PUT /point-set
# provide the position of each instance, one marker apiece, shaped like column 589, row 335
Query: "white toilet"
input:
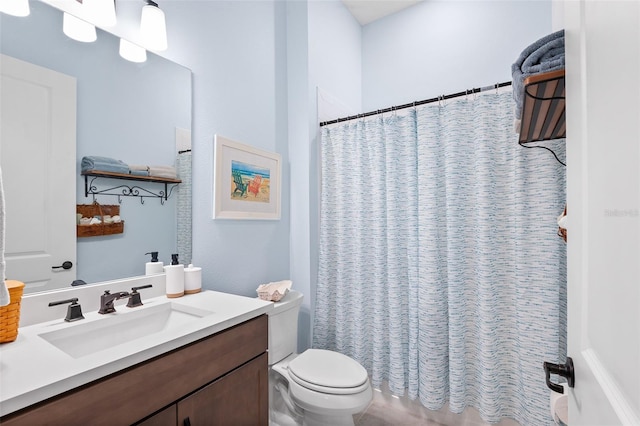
column 315, row 388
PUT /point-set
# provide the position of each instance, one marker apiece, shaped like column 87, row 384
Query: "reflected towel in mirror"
column 4, row 293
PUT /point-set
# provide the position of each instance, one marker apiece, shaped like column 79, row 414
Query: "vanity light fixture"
column 153, row 28
column 15, row 7
column 132, row 52
column 78, row 29
column 103, row 12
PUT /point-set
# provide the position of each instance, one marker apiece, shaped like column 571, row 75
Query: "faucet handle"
column 74, row 311
column 135, row 289
column 134, row 297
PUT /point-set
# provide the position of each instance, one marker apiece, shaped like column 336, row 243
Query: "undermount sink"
column 126, row 325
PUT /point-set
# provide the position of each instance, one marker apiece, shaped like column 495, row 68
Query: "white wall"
column 440, row 47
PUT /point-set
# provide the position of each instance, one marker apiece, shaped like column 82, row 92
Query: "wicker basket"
column 97, row 209
column 10, row 314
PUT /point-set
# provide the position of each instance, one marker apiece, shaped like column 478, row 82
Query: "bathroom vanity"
column 207, row 364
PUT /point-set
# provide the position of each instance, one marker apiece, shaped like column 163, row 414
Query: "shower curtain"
column 440, row 270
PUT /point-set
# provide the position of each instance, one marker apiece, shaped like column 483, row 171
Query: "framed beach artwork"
column 246, row 182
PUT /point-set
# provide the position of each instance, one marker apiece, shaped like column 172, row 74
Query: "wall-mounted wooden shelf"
column 543, row 110
column 128, row 190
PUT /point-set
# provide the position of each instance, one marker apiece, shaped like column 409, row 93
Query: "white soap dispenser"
column 175, row 278
column 192, row 279
column 153, row 267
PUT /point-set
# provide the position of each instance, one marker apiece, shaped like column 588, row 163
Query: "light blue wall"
column 236, row 51
column 335, row 46
column 440, row 47
column 299, row 98
column 335, row 42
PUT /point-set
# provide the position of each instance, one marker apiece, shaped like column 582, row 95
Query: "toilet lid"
column 327, row 369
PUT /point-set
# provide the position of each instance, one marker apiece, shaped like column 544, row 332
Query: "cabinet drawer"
column 132, row 394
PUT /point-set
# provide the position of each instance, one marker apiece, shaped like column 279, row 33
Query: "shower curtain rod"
column 414, row 104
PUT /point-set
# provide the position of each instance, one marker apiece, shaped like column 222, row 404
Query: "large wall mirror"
column 124, row 110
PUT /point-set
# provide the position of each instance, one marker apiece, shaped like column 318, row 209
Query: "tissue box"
column 273, row 292
column 274, row 297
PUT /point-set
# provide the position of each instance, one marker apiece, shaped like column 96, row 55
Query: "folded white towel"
column 5, row 299
column 163, row 171
column 163, row 168
column 139, row 167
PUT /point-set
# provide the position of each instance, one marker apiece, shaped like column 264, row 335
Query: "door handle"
column 565, row 370
column 65, row 265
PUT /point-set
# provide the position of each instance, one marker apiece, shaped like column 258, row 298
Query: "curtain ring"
column 496, row 88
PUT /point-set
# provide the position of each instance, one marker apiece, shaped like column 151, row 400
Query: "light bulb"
column 153, row 27
column 15, row 7
column 78, row 29
column 132, row 52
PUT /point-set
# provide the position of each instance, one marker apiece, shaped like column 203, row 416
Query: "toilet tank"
column 283, row 327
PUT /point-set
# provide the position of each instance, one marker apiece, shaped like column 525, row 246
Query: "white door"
column 37, row 157
column 603, row 186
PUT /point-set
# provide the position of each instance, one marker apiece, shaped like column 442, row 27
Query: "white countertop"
column 32, row 370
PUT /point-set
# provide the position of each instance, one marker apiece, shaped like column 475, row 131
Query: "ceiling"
column 367, row 11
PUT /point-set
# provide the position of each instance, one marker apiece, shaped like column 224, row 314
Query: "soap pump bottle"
column 175, row 278
column 153, row 267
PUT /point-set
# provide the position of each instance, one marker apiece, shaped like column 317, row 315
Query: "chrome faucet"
column 107, row 299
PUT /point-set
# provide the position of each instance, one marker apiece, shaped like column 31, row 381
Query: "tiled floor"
column 386, row 410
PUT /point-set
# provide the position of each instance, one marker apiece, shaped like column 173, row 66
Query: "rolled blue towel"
column 546, row 54
column 103, row 164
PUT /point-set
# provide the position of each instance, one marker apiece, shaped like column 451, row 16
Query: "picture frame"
column 246, row 183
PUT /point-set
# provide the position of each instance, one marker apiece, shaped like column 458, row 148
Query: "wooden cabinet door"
column 237, row 399
column 166, row 417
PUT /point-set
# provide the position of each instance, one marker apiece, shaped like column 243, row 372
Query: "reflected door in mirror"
column 37, row 154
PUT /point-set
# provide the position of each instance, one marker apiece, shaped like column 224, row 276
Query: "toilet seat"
column 328, row 372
